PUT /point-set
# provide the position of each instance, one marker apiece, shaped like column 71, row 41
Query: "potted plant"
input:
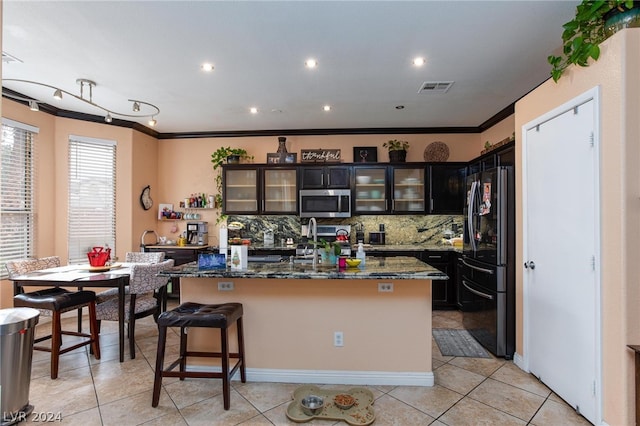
column 221, row 156
column 593, row 23
column 328, row 251
column 397, row 150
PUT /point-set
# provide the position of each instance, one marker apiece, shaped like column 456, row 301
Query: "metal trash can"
column 17, row 329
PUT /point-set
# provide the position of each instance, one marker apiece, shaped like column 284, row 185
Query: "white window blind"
column 92, row 196
column 17, row 181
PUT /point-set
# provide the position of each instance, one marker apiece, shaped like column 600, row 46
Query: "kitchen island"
column 369, row 325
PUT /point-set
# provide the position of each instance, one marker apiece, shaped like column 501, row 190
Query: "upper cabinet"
column 408, row 189
column 240, row 188
column 371, row 190
column 447, row 188
column 325, row 177
column 249, row 189
column 280, row 190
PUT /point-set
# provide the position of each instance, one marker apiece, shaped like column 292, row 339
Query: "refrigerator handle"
column 479, row 293
column 470, row 207
column 486, row 271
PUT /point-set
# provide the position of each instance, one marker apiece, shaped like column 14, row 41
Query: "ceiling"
column 494, row 52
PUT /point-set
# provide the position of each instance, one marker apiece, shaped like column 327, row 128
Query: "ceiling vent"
column 435, row 87
column 6, row 58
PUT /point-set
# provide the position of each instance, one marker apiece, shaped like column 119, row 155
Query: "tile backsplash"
column 400, row 229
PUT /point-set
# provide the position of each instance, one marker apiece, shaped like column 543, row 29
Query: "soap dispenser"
column 360, row 254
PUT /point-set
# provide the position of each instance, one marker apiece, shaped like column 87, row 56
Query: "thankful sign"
column 320, row 156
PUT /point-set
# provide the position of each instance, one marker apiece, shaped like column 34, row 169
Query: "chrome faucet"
column 312, row 231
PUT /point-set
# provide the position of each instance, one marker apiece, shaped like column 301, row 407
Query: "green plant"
column 583, row 34
column 218, row 158
column 396, row 145
column 328, row 246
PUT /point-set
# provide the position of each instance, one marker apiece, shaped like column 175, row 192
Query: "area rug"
column 454, row 342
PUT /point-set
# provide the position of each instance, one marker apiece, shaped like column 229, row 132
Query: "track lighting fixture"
column 140, row 108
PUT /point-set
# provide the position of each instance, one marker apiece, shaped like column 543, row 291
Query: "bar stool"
column 54, row 302
column 58, row 301
column 198, row 315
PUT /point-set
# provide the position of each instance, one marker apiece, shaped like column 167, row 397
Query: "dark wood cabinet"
column 502, row 156
column 444, row 292
column 250, row 189
column 447, row 188
column 325, row 177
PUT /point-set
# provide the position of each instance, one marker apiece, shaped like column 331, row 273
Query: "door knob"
column 530, row 264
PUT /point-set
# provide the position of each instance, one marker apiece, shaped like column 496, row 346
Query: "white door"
column 561, row 255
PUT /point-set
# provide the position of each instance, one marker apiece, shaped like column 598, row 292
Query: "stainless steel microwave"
column 325, row 203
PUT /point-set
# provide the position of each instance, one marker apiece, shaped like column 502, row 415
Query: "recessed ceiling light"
column 311, row 63
column 253, row 110
column 419, row 61
column 207, row 67
column 326, row 108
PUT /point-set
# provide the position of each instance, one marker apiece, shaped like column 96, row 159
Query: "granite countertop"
column 394, row 268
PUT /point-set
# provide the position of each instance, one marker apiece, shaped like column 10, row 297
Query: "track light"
column 140, row 108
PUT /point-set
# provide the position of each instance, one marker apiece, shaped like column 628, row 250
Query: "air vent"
column 435, row 87
column 6, row 58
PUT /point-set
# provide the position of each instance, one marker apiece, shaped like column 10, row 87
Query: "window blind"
column 92, row 196
column 17, row 189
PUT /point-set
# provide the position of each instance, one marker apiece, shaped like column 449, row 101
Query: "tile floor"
column 468, row 391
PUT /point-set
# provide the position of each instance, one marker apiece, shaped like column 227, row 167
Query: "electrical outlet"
column 338, row 338
column 385, row 287
column 225, row 285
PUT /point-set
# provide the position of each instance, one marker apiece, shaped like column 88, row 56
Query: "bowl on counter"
column 312, row 405
column 353, row 262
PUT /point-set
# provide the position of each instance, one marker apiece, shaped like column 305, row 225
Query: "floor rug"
column 454, row 342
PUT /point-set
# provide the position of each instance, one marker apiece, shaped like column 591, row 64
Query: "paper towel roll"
column 224, row 238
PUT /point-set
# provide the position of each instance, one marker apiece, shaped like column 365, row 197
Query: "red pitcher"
column 99, row 256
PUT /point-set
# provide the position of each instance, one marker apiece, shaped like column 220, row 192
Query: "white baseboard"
column 520, row 362
column 337, row 377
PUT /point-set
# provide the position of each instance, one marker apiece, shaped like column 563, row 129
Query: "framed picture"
column 365, row 154
column 282, row 158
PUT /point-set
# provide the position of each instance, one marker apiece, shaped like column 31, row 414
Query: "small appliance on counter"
column 143, row 239
column 376, row 238
column 198, row 233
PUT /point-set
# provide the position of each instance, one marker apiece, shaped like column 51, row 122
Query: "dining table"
column 82, row 276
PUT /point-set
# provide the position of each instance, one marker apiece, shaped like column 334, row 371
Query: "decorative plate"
column 436, row 151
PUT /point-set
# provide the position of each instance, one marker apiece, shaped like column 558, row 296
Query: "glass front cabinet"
column 266, row 190
column 408, row 189
column 240, row 191
column 370, row 191
column 280, row 191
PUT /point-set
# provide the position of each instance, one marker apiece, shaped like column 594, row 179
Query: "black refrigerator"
column 486, row 274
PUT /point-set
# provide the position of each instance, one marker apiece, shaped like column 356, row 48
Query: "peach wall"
column 289, row 324
column 616, row 72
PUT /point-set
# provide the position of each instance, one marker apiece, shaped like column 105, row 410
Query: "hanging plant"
column 218, row 158
column 584, row 33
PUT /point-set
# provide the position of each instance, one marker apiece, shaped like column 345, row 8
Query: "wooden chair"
column 141, row 300
column 53, row 302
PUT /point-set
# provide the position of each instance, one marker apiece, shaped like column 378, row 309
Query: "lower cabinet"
column 444, row 292
column 180, row 256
